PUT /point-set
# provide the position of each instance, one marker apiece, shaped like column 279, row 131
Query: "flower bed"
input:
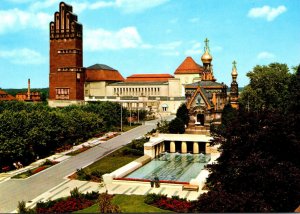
column 82, row 149
column 36, row 170
column 177, row 205
column 65, row 206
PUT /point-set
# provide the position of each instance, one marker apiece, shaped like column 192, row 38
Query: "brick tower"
column 67, row 77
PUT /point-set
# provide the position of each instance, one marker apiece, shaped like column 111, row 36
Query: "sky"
column 151, row 36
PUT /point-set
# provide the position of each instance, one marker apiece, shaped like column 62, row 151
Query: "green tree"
column 183, row 114
column 176, row 126
column 268, row 87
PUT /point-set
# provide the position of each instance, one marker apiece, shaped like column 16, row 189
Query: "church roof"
column 101, row 72
column 149, row 78
column 189, row 66
column 5, row 96
column 206, row 83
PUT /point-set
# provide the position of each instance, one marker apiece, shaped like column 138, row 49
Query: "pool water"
column 172, row 167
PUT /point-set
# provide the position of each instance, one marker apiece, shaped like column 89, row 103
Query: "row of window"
column 151, row 91
column 69, row 51
column 62, row 93
column 70, row 69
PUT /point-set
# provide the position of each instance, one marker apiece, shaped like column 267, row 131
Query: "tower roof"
column 206, row 57
column 189, row 66
column 234, row 71
column 101, row 72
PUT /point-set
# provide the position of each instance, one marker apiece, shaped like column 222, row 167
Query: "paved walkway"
column 58, row 157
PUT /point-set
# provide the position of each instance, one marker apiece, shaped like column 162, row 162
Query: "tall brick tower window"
column 66, row 79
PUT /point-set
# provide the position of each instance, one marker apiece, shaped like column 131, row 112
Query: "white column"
column 172, row 147
column 183, row 147
column 195, row 148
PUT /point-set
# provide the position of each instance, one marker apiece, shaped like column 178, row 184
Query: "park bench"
column 190, row 187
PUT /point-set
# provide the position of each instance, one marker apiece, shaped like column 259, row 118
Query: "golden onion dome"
column 234, row 71
column 206, row 57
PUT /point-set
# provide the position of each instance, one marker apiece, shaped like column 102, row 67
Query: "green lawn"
column 111, row 162
column 128, row 204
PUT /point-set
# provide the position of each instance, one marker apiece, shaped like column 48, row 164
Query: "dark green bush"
column 153, row 198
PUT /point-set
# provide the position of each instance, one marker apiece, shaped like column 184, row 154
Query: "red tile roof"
column 189, row 66
column 149, row 78
column 93, row 75
column 5, row 96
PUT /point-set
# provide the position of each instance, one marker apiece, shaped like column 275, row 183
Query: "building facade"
column 67, row 75
column 191, row 83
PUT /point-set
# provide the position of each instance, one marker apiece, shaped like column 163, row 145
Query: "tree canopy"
column 29, row 130
column 259, row 167
column 268, row 87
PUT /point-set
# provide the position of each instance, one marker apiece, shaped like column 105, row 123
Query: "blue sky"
column 151, row 36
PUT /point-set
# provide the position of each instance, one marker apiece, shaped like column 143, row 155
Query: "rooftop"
column 100, row 67
column 189, row 66
column 205, row 83
column 101, row 72
column 149, row 78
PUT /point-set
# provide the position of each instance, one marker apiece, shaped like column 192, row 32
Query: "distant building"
column 192, row 83
column 29, row 96
column 4, row 96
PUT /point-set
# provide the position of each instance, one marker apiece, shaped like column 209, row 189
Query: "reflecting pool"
column 172, row 166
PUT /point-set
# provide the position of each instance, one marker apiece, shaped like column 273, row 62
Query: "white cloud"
column 39, row 5
column 194, row 50
column 135, row 6
column 15, row 20
column 266, row 12
column 19, row 1
column 126, row 6
column 168, row 46
column 100, row 39
column 265, row 55
column 124, row 38
column 23, row 56
column 101, row 4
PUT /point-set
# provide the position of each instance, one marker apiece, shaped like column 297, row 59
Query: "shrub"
column 75, row 193
column 91, row 195
column 152, row 198
column 105, row 204
column 176, row 126
column 83, row 175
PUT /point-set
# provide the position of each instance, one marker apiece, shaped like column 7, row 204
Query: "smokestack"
column 28, row 92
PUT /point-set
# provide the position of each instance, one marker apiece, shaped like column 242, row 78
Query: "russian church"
column 191, row 83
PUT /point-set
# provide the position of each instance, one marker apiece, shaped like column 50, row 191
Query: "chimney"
column 28, row 92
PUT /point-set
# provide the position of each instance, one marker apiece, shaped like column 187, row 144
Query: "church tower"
column 67, row 77
column 206, row 60
column 234, row 89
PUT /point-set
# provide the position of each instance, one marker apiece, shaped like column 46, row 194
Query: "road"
column 14, row 190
